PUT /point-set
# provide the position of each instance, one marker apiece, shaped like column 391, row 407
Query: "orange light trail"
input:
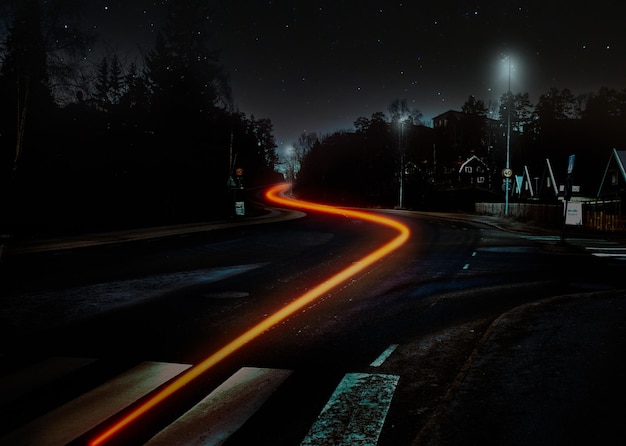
column 276, row 195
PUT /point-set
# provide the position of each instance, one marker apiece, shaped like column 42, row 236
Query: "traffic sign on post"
column 570, row 164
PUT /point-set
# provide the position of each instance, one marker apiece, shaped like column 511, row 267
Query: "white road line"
column 474, row 254
column 68, row 422
column 605, row 251
column 466, row 266
column 355, row 413
column 609, row 254
column 384, row 355
column 606, row 248
column 223, row 411
column 547, row 238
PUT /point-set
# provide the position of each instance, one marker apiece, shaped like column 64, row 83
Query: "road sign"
column 570, row 164
column 507, row 173
column 240, row 208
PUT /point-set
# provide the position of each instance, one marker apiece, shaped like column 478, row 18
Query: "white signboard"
column 240, row 208
column 574, row 214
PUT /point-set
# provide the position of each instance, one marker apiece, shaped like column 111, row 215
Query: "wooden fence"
column 602, row 216
column 545, row 214
column 605, row 216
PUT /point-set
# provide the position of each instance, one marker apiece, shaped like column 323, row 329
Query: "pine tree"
column 102, row 85
column 116, row 80
column 134, row 90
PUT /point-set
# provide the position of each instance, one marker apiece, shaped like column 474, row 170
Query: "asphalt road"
column 485, row 348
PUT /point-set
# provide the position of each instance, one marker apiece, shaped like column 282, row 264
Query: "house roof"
column 471, row 159
column 448, row 113
column 460, row 114
column 619, row 158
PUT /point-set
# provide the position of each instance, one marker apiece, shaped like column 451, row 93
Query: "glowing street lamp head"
column 509, row 70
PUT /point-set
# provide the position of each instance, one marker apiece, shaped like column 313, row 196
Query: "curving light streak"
column 276, row 195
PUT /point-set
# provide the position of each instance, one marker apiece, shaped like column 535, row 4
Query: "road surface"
column 441, row 342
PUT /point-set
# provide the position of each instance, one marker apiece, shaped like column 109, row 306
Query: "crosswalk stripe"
column 78, row 416
column 355, row 413
column 383, row 356
column 36, row 376
column 610, row 254
column 223, row 411
column 615, row 253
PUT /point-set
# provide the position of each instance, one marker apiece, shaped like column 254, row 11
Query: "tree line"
column 394, row 149
column 115, row 144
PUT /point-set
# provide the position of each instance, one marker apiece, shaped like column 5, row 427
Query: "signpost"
column 236, row 185
column 571, row 212
column 570, row 164
column 507, row 174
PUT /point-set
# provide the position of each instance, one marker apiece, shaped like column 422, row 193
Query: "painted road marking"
column 606, row 251
column 384, row 355
column 223, row 411
column 466, row 266
column 543, row 238
column 355, row 413
column 614, row 255
column 606, row 248
column 36, row 376
column 75, row 418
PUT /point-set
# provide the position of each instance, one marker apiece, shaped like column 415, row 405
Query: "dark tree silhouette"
column 24, row 86
column 474, row 106
column 102, row 85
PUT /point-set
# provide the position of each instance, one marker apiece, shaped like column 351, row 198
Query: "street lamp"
column 507, row 179
column 401, row 199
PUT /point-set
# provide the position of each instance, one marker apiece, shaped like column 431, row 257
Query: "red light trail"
column 276, row 195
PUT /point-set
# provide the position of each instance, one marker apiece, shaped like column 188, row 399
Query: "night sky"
column 317, row 66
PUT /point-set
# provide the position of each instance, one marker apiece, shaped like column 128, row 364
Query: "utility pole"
column 508, row 144
column 401, row 205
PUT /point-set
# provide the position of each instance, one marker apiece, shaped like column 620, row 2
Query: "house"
column 448, row 120
column 613, row 184
column 474, row 172
column 608, row 213
column 459, row 134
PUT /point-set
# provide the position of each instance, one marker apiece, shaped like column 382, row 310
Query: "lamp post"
column 401, row 198
column 507, row 181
